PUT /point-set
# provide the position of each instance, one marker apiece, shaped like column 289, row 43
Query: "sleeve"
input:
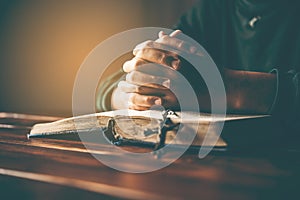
column 286, row 106
column 189, row 22
column 207, row 23
column 192, row 23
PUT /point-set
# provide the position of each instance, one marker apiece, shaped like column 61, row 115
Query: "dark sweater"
column 253, row 35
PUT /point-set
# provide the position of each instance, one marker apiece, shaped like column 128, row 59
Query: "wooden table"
column 59, row 169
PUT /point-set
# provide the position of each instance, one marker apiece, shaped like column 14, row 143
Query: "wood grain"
column 26, row 166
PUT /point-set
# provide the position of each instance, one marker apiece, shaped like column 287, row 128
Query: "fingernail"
column 175, row 33
column 157, row 102
column 160, row 34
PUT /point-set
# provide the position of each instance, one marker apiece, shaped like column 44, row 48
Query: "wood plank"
column 248, row 174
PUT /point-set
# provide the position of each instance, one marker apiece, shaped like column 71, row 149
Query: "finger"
column 127, row 87
column 176, row 43
column 144, row 100
column 153, row 90
column 135, row 107
column 150, row 68
column 169, row 100
column 161, row 33
column 174, row 40
column 158, row 53
column 149, row 44
column 133, row 64
column 150, row 89
column 175, row 33
column 139, row 78
column 159, row 56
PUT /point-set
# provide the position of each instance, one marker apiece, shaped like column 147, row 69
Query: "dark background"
column 43, row 43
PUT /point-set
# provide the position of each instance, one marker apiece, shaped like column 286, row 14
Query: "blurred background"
column 43, row 43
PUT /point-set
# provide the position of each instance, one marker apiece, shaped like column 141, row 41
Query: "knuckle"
column 136, row 63
column 164, row 39
column 121, row 84
column 126, row 66
column 132, row 99
column 193, row 49
column 130, row 76
column 131, row 106
column 148, row 43
column 148, row 100
column 139, row 89
column 180, row 44
column 141, row 46
column 161, row 57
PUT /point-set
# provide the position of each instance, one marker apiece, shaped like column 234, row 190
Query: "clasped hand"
column 153, row 76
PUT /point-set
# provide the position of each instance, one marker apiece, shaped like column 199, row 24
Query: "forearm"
column 249, row 92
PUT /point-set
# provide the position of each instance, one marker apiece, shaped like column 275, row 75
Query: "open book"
column 145, row 127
